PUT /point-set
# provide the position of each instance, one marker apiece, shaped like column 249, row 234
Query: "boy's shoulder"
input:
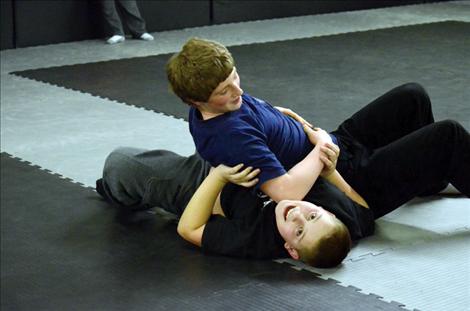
column 247, row 98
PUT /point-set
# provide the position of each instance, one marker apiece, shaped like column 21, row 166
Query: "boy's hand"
column 329, row 156
column 235, row 175
column 317, row 135
column 288, row 112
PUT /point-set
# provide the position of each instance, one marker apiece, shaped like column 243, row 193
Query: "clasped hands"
column 329, row 152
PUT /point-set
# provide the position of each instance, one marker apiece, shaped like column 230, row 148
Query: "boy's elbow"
column 280, row 188
column 281, row 194
column 193, row 236
column 182, row 231
column 292, row 196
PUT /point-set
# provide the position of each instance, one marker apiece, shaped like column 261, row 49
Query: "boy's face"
column 301, row 224
column 225, row 98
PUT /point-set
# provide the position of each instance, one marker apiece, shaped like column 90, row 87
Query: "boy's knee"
column 414, row 87
column 117, row 160
column 449, row 125
column 452, row 130
column 416, row 90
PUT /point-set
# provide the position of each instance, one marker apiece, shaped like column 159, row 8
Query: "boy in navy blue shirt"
column 230, row 127
column 385, row 147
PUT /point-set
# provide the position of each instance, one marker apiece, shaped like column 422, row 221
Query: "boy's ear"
column 195, row 103
column 292, row 251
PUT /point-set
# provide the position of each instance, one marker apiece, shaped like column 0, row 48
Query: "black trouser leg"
column 391, row 151
column 111, row 17
column 132, row 17
column 136, row 179
column 394, row 174
column 395, row 114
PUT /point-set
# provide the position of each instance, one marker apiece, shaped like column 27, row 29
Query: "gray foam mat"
column 325, row 79
column 417, row 250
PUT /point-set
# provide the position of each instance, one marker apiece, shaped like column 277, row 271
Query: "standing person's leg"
column 132, row 17
column 111, row 17
column 395, row 114
column 432, row 155
column 137, row 179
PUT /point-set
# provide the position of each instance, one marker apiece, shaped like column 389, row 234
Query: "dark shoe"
column 101, row 191
column 99, row 187
column 126, row 215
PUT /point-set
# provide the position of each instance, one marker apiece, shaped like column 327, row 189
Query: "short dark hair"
column 196, row 71
column 330, row 250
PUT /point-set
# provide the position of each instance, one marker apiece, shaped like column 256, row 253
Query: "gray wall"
column 6, row 24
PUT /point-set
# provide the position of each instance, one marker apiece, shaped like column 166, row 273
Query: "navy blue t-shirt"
column 256, row 135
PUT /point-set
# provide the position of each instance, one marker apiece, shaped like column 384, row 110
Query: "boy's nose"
column 297, row 215
column 237, row 91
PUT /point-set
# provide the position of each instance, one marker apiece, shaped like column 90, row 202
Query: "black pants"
column 392, row 150
column 130, row 14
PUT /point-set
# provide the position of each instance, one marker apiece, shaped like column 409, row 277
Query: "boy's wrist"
column 327, row 174
column 220, row 175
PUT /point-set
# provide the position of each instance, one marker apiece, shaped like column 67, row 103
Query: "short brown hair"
column 196, row 71
column 330, row 250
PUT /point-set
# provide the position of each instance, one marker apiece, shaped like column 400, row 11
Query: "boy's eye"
column 312, row 216
column 299, row 231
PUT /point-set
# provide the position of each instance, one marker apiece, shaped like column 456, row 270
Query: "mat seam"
column 30, row 164
column 293, row 264
column 96, row 96
column 299, row 266
column 19, row 74
column 356, row 289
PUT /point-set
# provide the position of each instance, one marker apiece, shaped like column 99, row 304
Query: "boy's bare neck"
column 206, row 115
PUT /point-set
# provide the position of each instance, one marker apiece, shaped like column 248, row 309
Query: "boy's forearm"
column 304, row 174
column 298, row 181
column 337, row 180
column 199, row 208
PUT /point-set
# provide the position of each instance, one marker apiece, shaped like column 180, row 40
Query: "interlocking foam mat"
column 325, row 79
column 62, row 250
